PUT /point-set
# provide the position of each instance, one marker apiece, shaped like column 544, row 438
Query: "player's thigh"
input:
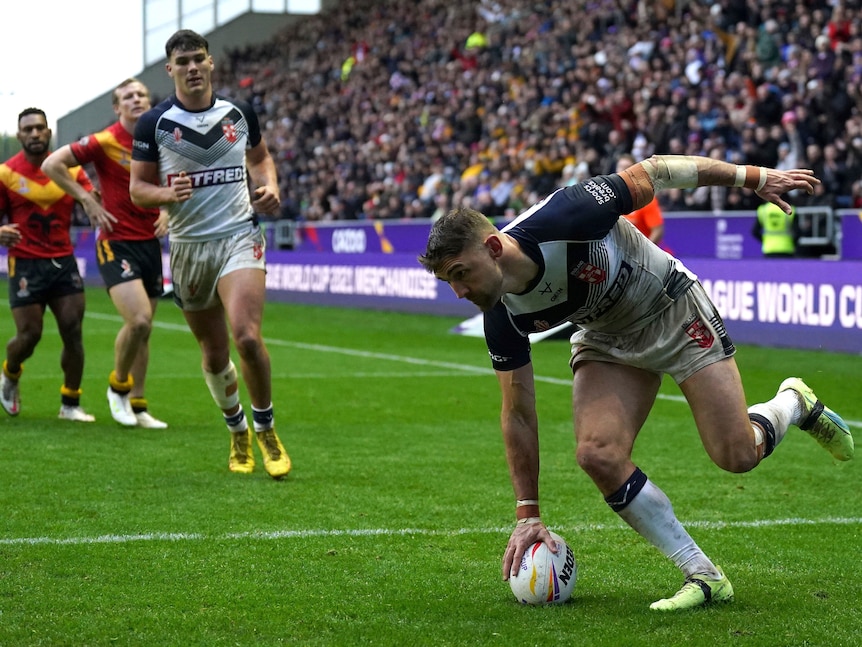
column 611, row 402
column 717, row 402
column 131, row 300
column 69, row 312
column 210, row 330
column 243, row 293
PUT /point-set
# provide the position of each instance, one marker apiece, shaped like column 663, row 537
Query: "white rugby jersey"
column 209, row 146
column 596, row 270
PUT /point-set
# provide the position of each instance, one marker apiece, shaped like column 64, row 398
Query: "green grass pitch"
column 391, row 527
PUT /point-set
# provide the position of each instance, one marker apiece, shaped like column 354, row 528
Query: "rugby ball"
column 543, row 577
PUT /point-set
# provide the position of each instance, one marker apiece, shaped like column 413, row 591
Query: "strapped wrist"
column 529, row 520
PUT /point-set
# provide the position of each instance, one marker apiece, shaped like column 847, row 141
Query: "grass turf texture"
column 390, row 529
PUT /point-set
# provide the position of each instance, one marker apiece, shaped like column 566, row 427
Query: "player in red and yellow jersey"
column 127, row 247
column 43, row 272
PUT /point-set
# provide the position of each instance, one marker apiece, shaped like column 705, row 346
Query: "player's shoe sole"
column 275, row 458
column 146, row 421
column 698, row 591
column 75, row 414
column 241, row 458
column 821, row 423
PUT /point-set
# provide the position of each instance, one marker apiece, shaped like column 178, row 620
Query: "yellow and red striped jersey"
column 110, row 152
column 40, row 208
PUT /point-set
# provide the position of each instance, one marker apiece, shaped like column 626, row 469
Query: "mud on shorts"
column 686, row 337
column 121, row 261
column 39, row 280
column 196, row 267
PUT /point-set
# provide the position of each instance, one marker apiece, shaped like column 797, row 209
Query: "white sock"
column 651, row 514
column 782, row 411
column 237, row 422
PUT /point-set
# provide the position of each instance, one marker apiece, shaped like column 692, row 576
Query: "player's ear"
column 494, row 245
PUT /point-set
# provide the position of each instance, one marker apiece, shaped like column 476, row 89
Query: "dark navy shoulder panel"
column 144, row 148
column 582, row 212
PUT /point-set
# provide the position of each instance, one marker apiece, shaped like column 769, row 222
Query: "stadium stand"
column 382, row 110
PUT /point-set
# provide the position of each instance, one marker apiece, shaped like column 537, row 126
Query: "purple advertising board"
column 794, row 303
column 687, row 234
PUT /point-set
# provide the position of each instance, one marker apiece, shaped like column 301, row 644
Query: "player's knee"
column 599, row 462
column 140, row 325
column 735, row 457
column 248, row 343
column 29, row 336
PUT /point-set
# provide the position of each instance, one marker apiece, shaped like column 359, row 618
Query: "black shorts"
column 38, row 280
column 121, row 261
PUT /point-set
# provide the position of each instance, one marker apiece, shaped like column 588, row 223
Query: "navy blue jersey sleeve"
column 144, row 147
column 584, row 211
column 507, row 347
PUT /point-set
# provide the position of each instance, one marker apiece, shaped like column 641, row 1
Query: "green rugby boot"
column 698, row 591
column 821, row 423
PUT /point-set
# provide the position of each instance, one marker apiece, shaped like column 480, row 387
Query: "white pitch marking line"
column 396, row 358
column 376, row 532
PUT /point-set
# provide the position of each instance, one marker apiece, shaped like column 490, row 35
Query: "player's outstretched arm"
column 646, row 178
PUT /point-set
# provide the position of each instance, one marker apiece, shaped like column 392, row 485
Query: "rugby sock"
column 12, row 375
column 120, row 386
column 237, row 421
column 263, row 418
column 649, row 512
column 773, row 418
column 70, row 397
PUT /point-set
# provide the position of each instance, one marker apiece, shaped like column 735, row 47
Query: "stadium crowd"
column 402, row 109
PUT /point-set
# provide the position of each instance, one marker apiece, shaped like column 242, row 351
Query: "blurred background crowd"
column 404, row 108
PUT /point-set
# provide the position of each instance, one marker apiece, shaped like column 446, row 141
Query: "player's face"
column 474, row 275
column 191, row 71
column 34, row 134
column 133, row 100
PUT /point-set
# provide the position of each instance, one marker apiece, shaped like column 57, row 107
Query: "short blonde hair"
column 115, row 97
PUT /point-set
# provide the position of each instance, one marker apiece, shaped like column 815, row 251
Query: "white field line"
column 395, row 532
column 417, row 361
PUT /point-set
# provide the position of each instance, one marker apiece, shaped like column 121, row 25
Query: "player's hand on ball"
column 524, row 536
column 545, row 577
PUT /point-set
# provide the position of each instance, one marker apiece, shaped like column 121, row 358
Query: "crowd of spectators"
column 404, row 108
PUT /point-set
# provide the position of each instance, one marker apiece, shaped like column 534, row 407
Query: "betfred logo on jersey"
column 589, row 273
column 698, row 331
column 213, row 177
column 229, row 130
